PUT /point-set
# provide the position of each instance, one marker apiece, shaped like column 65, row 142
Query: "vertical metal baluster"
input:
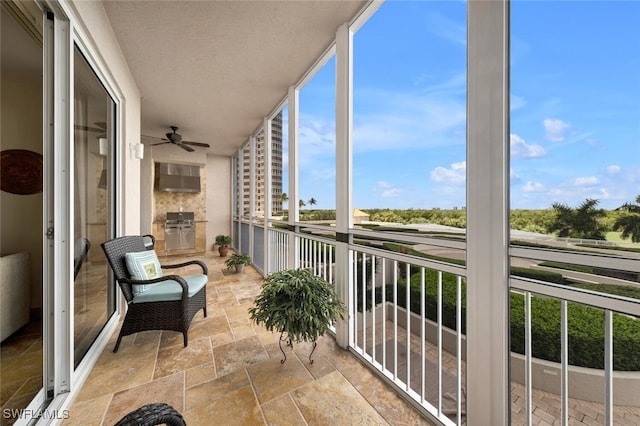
column 408, row 324
column 564, row 360
column 439, row 322
column 459, row 349
column 423, row 337
column 374, row 326
column 395, row 320
column 527, row 357
column 608, row 368
column 354, row 257
column 363, row 288
column 384, row 314
column 325, row 268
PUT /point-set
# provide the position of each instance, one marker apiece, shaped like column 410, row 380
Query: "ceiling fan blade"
column 185, row 147
column 101, row 124
column 88, row 129
column 153, row 137
column 159, row 143
column 204, row 145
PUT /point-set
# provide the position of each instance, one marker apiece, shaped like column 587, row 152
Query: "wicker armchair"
column 157, row 413
column 142, row 314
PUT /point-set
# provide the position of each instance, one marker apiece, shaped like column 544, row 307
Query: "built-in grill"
column 179, row 231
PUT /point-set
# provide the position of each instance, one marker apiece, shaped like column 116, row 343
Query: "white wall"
column 218, row 197
column 21, row 215
column 93, row 26
column 146, row 191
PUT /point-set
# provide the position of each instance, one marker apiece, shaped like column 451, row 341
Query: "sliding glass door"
column 22, row 200
column 93, row 183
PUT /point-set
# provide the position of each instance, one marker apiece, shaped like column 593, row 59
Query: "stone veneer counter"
column 157, row 229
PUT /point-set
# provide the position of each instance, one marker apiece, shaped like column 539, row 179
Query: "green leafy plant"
column 298, row 304
column 223, row 240
column 237, row 259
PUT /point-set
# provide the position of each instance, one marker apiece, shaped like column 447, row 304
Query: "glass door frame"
column 60, row 379
column 81, row 40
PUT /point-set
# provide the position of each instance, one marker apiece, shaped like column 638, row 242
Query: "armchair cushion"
column 143, row 265
column 170, row 290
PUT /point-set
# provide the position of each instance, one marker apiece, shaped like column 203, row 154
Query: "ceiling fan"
column 176, row 139
column 101, row 128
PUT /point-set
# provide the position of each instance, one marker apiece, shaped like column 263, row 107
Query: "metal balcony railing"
column 407, row 321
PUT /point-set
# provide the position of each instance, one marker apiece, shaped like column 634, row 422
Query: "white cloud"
column 603, row 194
column 516, row 102
column 433, row 116
column 521, row 149
column 586, row 181
column 323, row 173
column 594, row 143
column 317, row 139
column 555, row 129
column 387, row 190
column 316, row 135
column 513, row 174
column 455, row 175
column 613, row 169
column 533, row 187
column 447, row 28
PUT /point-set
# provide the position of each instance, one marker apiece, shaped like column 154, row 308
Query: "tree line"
column 585, row 221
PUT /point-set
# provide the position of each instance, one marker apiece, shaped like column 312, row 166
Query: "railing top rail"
column 414, row 260
column 411, row 238
column 315, row 226
column 591, row 258
column 621, row 304
column 318, row 238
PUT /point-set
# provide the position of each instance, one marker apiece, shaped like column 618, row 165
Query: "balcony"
column 254, row 102
column 231, row 370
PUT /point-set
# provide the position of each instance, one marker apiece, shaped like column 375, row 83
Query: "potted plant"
column 297, row 304
column 237, row 261
column 223, row 242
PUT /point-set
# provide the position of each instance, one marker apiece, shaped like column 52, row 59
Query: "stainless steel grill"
column 179, row 231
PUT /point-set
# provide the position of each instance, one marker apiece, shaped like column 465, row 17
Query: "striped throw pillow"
column 143, row 265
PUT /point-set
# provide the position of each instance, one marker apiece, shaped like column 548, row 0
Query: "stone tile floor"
column 231, row 374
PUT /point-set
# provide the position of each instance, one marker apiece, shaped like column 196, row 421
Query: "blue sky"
column 575, row 107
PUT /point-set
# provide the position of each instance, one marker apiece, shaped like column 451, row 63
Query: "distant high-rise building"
column 260, row 179
column 276, row 164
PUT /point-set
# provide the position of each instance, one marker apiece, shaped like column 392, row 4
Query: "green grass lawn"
column 615, row 237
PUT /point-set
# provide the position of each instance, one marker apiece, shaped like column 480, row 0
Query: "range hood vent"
column 177, row 178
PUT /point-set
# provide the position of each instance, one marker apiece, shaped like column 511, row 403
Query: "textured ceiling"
column 216, row 68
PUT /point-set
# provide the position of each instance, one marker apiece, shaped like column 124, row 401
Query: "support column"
column 294, row 208
column 344, row 219
column 488, row 213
